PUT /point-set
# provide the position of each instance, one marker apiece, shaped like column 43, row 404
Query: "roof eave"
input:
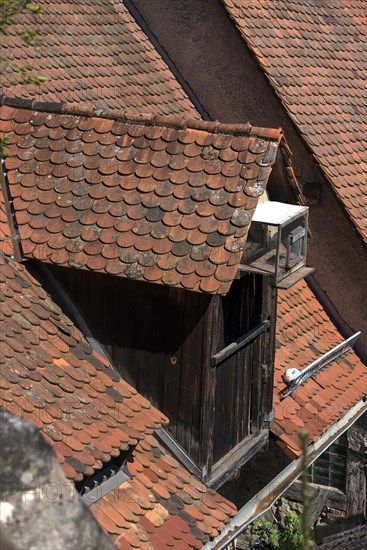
column 263, row 500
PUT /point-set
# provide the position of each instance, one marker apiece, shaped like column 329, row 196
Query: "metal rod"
column 320, row 363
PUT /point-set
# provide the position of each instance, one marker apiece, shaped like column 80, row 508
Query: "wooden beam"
column 227, row 465
column 178, row 452
column 236, row 346
column 269, row 312
column 208, row 389
column 13, row 228
column 335, row 498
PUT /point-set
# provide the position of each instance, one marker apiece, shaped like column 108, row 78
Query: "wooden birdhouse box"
column 277, row 243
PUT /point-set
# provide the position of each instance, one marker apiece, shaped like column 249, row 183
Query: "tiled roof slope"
column 49, row 374
column 162, row 506
column 305, row 333
column 313, row 54
column 92, row 51
column 161, row 200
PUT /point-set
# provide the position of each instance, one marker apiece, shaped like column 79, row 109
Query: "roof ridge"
column 179, row 123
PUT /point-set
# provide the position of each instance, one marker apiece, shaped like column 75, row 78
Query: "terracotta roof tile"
column 305, row 333
column 313, row 56
column 100, row 56
column 51, row 376
column 157, row 500
column 163, row 228
column 42, row 346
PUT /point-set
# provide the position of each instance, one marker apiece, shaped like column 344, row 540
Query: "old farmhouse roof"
column 164, row 506
column 313, row 55
column 162, row 200
column 92, row 51
column 49, row 372
column 304, row 333
column 51, row 376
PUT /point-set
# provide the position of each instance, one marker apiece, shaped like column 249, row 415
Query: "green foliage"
column 268, row 535
column 286, row 535
column 291, row 531
column 10, row 10
column 3, row 141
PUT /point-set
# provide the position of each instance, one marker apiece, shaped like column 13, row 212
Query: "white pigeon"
column 290, row 376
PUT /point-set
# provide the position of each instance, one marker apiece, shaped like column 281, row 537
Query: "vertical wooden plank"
column 204, row 306
column 144, row 338
column 101, row 308
column 256, row 392
column 187, row 371
column 174, row 324
column 270, row 313
column 124, row 350
column 160, row 354
column 209, row 386
column 188, row 424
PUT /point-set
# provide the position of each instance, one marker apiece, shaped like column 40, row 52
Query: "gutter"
column 265, row 498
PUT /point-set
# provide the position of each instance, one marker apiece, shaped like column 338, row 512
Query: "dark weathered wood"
column 336, row 499
column 227, row 465
column 269, row 312
column 178, row 451
column 235, row 347
column 162, row 341
column 14, row 235
column 188, row 419
column 175, row 313
column 356, row 486
column 294, row 277
column 257, row 384
column 239, row 312
column 208, row 388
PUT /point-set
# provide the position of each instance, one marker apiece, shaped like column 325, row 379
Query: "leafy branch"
column 10, row 10
column 293, row 532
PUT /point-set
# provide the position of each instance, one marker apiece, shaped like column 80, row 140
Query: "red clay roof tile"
column 164, row 517
column 39, row 325
column 315, row 63
column 105, row 225
column 305, row 333
column 50, row 375
column 100, row 56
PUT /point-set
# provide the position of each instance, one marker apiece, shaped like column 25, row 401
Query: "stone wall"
column 39, row 507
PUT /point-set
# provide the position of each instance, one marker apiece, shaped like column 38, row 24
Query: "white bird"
column 290, row 376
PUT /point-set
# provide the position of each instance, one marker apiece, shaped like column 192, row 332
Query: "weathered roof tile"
column 54, row 379
column 103, row 52
column 115, row 221
column 315, row 64
column 305, row 333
